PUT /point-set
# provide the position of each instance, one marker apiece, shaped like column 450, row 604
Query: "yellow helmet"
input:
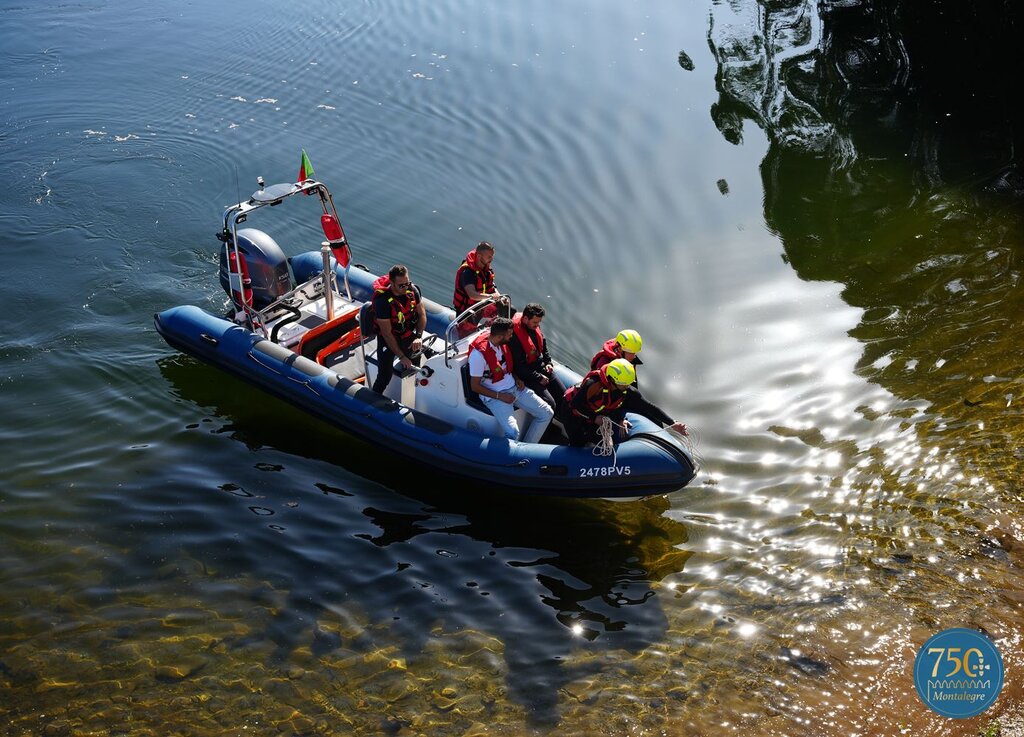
column 620, row 371
column 629, row 341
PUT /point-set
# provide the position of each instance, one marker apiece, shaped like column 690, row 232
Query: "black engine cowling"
column 267, row 264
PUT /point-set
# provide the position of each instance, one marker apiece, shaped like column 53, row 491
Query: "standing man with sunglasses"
column 400, row 315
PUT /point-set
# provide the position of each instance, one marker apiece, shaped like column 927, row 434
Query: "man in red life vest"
column 626, row 345
column 601, row 393
column 400, row 315
column 474, row 281
column 532, row 362
column 491, row 375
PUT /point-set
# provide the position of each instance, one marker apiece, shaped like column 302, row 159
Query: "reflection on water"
column 594, row 579
column 893, row 170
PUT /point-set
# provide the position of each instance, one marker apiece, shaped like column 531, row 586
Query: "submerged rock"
column 325, row 641
column 685, row 61
column 297, row 726
column 179, row 671
column 805, row 664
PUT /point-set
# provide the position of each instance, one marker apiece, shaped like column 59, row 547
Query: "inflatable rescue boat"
column 301, row 329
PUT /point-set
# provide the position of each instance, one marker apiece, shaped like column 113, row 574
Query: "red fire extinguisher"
column 246, row 282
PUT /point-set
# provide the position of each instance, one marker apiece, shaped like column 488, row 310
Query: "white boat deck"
column 437, row 388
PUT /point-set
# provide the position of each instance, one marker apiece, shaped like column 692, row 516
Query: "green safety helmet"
column 620, row 371
column 629, row 341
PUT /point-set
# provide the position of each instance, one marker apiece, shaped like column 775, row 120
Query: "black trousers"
column 552, row 392
column 386, row 362
column 577, row 429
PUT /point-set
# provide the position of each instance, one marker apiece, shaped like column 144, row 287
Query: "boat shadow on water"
column 552, row 579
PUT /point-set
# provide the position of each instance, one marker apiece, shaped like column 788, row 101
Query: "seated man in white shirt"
column 490, row 376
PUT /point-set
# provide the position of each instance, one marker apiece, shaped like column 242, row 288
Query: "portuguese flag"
column 305, row 168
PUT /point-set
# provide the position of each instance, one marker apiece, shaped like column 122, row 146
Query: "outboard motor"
column 268, row 267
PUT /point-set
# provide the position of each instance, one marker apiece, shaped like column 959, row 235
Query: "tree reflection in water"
column 895, row 169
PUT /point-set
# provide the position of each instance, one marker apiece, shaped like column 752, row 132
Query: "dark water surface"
column 826, row 273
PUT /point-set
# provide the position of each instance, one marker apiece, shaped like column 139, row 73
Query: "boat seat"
column 472, row 398
column 368, row 328
column 336, row 335
column 367, row 320
column 348, row 362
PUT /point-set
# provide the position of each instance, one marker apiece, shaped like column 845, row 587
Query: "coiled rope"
column 606, row 433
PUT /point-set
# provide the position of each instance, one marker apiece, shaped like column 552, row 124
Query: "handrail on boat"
column 270, row 196
column 449, row 344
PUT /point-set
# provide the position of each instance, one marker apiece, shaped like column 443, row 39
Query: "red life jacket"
column 533, row 346
column 602, row 395
column 403, row 311
column 608, row 353
column 484, row 282
column 482, row 344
